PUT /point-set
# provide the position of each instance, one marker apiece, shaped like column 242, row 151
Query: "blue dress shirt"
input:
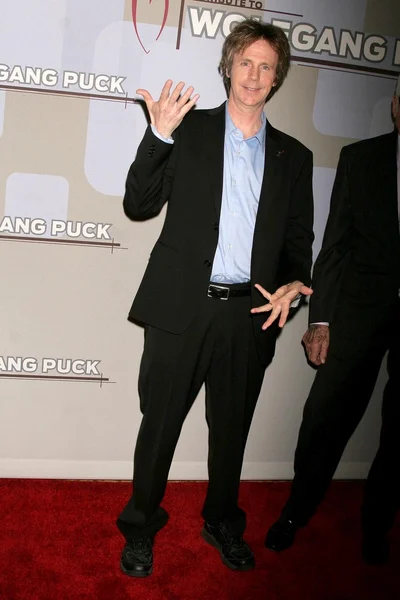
column 242, row 179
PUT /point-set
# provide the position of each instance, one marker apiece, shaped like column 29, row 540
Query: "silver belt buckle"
column 219, row 287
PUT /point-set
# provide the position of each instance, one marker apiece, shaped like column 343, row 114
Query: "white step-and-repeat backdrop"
column 71, row 261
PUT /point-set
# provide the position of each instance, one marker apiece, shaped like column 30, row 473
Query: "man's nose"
column 253, row 73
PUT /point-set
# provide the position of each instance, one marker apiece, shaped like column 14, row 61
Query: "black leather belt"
column 224, row 292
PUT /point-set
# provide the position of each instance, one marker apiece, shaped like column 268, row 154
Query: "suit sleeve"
column 149, row 181
column 335, row 253
column 296, row 258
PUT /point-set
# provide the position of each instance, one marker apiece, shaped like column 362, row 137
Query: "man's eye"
column 265, row 68
column 244, row 63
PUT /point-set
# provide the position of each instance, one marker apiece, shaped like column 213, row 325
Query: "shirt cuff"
column 294, row 303
column 160, row 137
column 320, row 323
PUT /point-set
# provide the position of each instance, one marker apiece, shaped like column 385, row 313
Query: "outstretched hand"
column 279, row 302
column 167, row 113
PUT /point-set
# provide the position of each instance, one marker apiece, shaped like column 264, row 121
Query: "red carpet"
column 58, row 541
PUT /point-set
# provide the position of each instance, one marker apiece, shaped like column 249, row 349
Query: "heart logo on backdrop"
column 135, row 24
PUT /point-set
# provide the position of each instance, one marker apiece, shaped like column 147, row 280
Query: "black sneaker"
column 137, row 557
column 281, row 535
column 234, row 551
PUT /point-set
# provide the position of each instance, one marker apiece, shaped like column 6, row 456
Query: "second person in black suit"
column 355, row 320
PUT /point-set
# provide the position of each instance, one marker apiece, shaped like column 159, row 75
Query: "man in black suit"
column 355, row 320
column 239, row 214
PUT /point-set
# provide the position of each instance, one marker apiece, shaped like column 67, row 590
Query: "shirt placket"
column 234, row 204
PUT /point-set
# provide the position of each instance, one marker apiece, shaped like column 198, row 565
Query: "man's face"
column 253, row 74
column 396, row 111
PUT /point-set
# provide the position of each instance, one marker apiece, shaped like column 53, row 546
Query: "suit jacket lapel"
column 389, row 168
column 275, row 160
column 385, row 178
column 214, row 138
column 390, row 174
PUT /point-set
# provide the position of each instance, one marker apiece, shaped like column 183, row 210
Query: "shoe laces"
column 235, row 544
column 141, row 547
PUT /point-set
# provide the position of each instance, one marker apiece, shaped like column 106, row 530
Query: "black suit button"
column 207, row 263
column 216, row 226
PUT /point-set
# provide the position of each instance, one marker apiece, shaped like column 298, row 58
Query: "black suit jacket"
column 356, row 276
column 189, row 174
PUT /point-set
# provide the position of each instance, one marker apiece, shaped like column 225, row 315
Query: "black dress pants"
column 219, row 349
column 336, row 403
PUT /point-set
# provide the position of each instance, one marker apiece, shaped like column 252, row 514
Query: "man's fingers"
column 273, row 316
column 324, row 351
column 177, row 91
column 314, row 353
column 316, row 343
column 281, row 291
column 317, row 352
column 284, row 316
column 268, row 323
column 308, row 351
column 146, row 96
column 306, row 291
column 279, row 303
column 185, row 97
column 189, row 105
column 263, row 308
column 262, row 291
column 166, row 90
column 305, row 338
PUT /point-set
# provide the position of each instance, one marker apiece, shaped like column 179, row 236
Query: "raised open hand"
column 168, row 111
